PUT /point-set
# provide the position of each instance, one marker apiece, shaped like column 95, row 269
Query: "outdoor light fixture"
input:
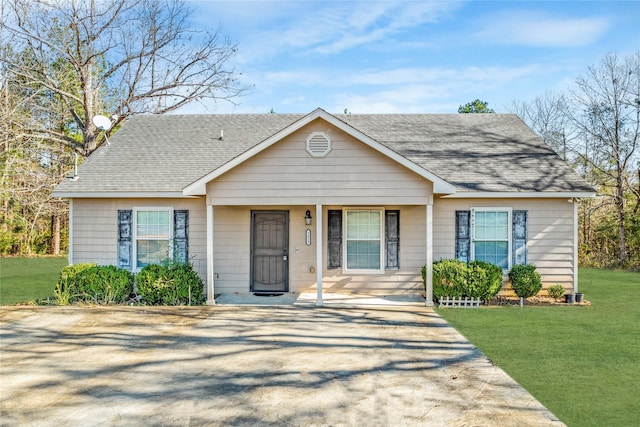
column 307, row 218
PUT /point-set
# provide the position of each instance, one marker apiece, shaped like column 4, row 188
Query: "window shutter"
column 463, row 235
column 334, row 239
column 180, row 236
column 125, row 236
column 392, row 235
column 519, row 237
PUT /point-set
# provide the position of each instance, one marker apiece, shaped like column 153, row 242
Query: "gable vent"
column 318, row 144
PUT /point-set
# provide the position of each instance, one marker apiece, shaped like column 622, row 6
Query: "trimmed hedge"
column 455, row 279
column 174, row 284
column 449, row 278
column 525, row 280
column 484, row 280
column 98, row 284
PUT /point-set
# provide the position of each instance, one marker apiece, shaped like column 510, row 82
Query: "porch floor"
column 329, row 299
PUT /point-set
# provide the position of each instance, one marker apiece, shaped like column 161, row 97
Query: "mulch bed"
column 534, row 301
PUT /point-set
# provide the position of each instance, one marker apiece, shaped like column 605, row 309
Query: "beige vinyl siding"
column 95, row 228
column 232, row 259
column 232, row 248
column 352, row 173
column 408, row 278
column 550, row 233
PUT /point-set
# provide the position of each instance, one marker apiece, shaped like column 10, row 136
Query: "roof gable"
column 440, row 186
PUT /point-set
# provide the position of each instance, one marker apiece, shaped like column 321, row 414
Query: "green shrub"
column 150, row 283
column 484, row 280
column 67, row 290
column 455, row 279
column 105, row 284
column 188, row 285
column 175, row 284
column 449, row 278
column 555, row 291
column 525, row 280
column 71, row 271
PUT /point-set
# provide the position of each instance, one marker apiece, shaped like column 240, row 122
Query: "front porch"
column 307, row 256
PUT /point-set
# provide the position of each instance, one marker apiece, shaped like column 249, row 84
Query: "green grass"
column 583, row 363
column 28, row 279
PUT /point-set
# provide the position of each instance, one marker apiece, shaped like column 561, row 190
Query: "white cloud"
column 442, row 77
column 540, row 30
column 296, row 28
column 400, row 90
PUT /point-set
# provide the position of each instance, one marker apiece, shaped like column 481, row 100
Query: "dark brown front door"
column 269, row 251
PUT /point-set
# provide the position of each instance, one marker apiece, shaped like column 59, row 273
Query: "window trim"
column 472, row 232
column 345, row 268
column 135, row 232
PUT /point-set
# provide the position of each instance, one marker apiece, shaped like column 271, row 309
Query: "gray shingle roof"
column 474, row 152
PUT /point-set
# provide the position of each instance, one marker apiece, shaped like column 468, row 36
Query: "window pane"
column 141, row 220
column 163, row 217
column 363, row 255
column 352, row 225
column 493, row 252
column 152, row 252
column 502, row 225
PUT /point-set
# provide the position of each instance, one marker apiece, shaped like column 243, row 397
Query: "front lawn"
column 29, row 279
column 583, row 363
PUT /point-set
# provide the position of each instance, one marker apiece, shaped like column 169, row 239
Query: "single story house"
column 346, row 203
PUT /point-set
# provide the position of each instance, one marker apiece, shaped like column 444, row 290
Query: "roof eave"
column 520, row 195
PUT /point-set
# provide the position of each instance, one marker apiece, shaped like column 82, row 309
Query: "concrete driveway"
column 250, row 365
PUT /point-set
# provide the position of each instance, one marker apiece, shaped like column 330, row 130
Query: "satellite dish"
column 102, row 122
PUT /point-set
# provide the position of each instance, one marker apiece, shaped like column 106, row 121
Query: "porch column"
column 429, row 260
column 210, row 271
column 319, row 266
column 575, row 245
column 70, row 234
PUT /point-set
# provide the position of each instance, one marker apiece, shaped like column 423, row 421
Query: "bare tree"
column 122, row 56
column 595, row 127
column 547, row 116
column 606, row 113
column 62, row 62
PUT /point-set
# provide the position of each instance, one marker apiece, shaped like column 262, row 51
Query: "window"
column 153, row 233
column 491, row 236
column 363, row 229
column 145, row 234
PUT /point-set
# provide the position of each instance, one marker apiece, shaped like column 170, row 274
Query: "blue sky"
column 412, row 56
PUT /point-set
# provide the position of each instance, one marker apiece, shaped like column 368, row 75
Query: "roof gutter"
column 520, row 195
column 122, row 195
